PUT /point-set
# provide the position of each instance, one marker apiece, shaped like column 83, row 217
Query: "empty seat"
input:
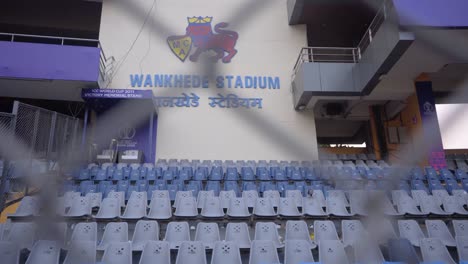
column 180, row 195
column 202, row 197
column 460, row 227
column 332, row 252
column 160, row 194
column 263, row 251
column 226, row 252
column 406, row 205
column 191, row 252
column 264, row 208
column 29, row 206
column 225, row 196
column 250, row 197
column 438, row 229
column 401, row 250
column 84, row 232
column 136, row 206
column 176, row 232
column 337, row 207
column 207, row 233
column 113, row 233
column 429, row 205
column 267, row 231
column 160, row 209
column 110, row 208
column 296, row 195
column 44, row 251
column 238, row 233
column 94, row 199
column 297, row 252
column 120, row 196
column 453, row 206
column 22, row 234
column 366, row 251
column 381, row 230
column 353, row 232
column 212, row 208
column 238, row 208
column 81, row 251
column 118, row 253
column 81, row 207
column 358, row 203
column 144, row 231
column 288, row 208
column 156, row 252
column 298, row 230
column 433, row 250
column 187, row 207
column 273, row 196
column 9, row 252
column 324, row 230
column 462, row 248
column 312, row 207
column 410, row 230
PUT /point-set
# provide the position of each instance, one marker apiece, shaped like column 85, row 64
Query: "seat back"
column 381, row 230
column 462, row 248
column 430, row 205
column 367, row 252
column 114, row 232
column 267, row 231
column 288, row 207
column 273, row 196
column 406, row 205
column 298, row 230
column 176, row 232
column 191, row 252
column 263, row 207
column 136, row 206
column 438, row 229
column 296, row 195
column 460, row 227
column 110, row 208
column 180, row 195
column 250, row 197
column 263, row 251
column 120, row 196
column 85, row 232
column 312, row 207
column 226, row 252
column 80, row 207
column 118, row 253
column 144, row 231
column 202, row 197
column 212, row 207
column 22, row 234
column 160, row 209
column 433, row 250
column 44, row 251
column 9, row 252
column 410, row 230
column 353, row 232
column 401, row 250
column 332, row 252
column 186, row 207
column 81, row 251
column 28, row 206
column 324, row 230
column 207, row 233
column 156, row 252
column 225, row 196
column 297, row 251
column 238, row 208
column 453, row 206
column 238, row 233
column 94, row 199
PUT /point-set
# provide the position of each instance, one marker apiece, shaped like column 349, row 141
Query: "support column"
column 435, row 155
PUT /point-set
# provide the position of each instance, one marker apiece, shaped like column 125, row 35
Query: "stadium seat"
column 186, row 207
column 264, row 208
column 324, row 230
column 144, row 231
column 80, row 207
column 410, row 230
column 433, row 250
column 29, row 206
column 250, row 197
column 406, row 205
column 296, row 195
column 297, row 251
column 110, row 209
column 460, row 227
column 156, row 252
column 288, row 208
column 208, row 234
column 238, row 208
column 86, row 232
column 263, row 251
column 273, row 196
column 160, row 209
column 176, row 233
column 191, row 252
column 118, row 253
column 401, row 250
column 182, row 194
column 438, row 229
column 238, row 233
column 353, row 232
column 81, row 252
column 9, row 252
column 114, row 232
column 226, row 252
column 462, row 248
column 429, row 205
column 367, row 252
column 332, row 252
column 94, row 199
column 202, row 195
column 44, row 251
column 212, row 208
column 136, row 206
column 312, row 207
column 298, row 230
column 337, row 207
column 267, row 231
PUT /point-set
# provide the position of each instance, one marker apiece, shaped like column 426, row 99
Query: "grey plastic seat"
column 120, row 196
column 202, row 197
column 438, row 229
column 263, row 251
column 80, row 252
column 114, row 232
column 68, row 198
column 312, row 207
column 144, row 231
column 238, row 233
column 180, row 195
column 238, row 208
column 81, row 207
column 462, row 196
column 84, row 232
column 191, row 252
column 319, row 197
column 440, row 195
column 136, row 206
column 396, row 194
column 367, row 252
column 386, row 205
column 176, row 232
column 410, row 230
column 94, row 199
column 324, row 230
column 297, row 252
column 462, row 248
column 401, row 250
column 357, row 202
column 296, row 195
column 186, row 207
column 156, row 252
column 22, row 234
column 418, row 195
column 44, row 251
column 226, row 252
column 288, row 207
column 160, row 209
column 273, row 196
column 381, row 230
column 433, row 250
column 225, row 196
column 460, row 227
column 9, row 252
column 212, row 208
column 110, row 209
column 264, row 208
column 53, row 231
column 337, row 207
column 118, row 253
column 406, row 205
column 298, row 230
column 337, row 195
column 353, row 232
column 207, row 233
column 29, row 206
column 429, row 205
column 332, row 252
column 453, row 206
column 267, row 231
column 160, row 194
column 250, row 197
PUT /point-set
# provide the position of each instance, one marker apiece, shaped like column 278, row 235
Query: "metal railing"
column 341, row 54
column 106, row 64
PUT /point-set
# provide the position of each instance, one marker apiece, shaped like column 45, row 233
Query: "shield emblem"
column 180, row 46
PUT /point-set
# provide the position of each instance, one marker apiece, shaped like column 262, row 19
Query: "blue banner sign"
column 196, row 81
column 116, row 94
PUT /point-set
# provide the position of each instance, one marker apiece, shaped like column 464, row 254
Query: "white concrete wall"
column 453, row 125
column 267, row 46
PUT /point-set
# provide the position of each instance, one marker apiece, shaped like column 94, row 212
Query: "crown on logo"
column 199, row 20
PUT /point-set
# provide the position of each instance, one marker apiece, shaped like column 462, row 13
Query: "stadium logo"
column 428, row 108
column 199, row 34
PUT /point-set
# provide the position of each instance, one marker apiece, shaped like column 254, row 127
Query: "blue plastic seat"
column 102, row 186
column 267, row 186
column 249, row 186
column 134, row 175
column 278, row 174
column 262, row 174
column 131, row 188
column 84, row 174
column 309, row 174
column 232, row 186
column 110, row 188
column 418, row 185
column 160, row 184
column 101, row 175
column 185, row 173
column 117, row 175
column 217, row 173
column 446, row 174
column 201, row 174
column 247, row 174
column 232, row 174
column 435, row 184
column 460, row 174
column 452, row 185
column 172, row 188
column 214, row 186
column 169, row 174
column 122, row 186
column 194, row 187
column 125, row 173
column 142, row 185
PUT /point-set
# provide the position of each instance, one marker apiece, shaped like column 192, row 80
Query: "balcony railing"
column 106, row 64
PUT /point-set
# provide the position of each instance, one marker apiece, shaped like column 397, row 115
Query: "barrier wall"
column 197, row 123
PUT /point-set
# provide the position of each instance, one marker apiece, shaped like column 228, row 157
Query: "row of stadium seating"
column 84, row 242
column 207, row 205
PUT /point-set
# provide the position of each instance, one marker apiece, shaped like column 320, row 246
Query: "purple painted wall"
column 432, row 13
column 47, row 61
